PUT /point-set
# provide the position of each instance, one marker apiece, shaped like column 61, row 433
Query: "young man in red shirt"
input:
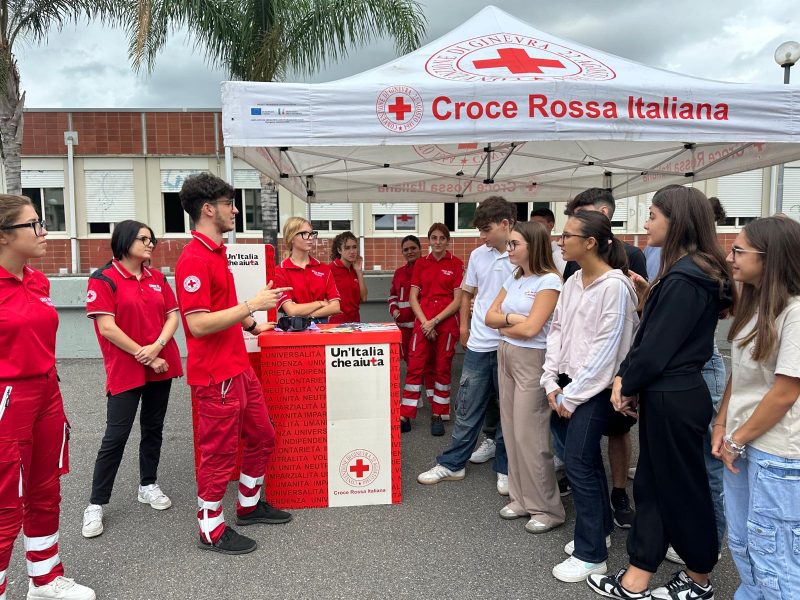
column 228, row 394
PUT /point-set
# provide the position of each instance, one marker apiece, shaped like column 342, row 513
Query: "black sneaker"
column 264, row 513
column 682, row 587
column 437, row 426
column 610, row 586
column 405, row 425
column 564, row 488
column 230, row 542
column 623, row 513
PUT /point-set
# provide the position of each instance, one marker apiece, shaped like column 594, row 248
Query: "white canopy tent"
column 497, row 106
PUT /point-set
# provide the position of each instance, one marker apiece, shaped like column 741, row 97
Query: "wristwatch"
column 161, row 342
column 252, row 327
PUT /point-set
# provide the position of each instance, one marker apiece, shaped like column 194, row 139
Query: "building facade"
column 130, row 164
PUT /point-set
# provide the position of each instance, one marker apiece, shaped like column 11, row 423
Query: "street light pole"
column 787, row 54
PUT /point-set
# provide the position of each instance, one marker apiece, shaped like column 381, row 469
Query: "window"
column 49, row 205
column 174, row 215
column 459, row 216
column 332, row 217
column 99, row 227
column 791, row 192
column 741, row 195
column 395, row 217
column 622, row 212
column 109, row 196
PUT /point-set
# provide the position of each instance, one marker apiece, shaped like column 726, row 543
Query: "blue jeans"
column 587, row 475
column 478, row 384
column 762, row 504
column 714, row 376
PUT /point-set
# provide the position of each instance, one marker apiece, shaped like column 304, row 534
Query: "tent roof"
column 497, row 106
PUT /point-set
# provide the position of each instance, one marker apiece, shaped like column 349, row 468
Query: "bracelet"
column 732, row 447
column 718, row 425
column 250, row 310
column 507, row 315
column 252, row 327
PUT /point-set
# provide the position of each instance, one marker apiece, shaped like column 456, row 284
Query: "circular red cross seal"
column 399, row 108
column 513, row 57
column 460, row 155
column 359, row 468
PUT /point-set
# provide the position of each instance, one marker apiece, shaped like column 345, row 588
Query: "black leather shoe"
column 230, row 542
column 264, row 513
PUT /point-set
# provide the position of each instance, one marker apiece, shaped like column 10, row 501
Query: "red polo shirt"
column 140, row 308
column 313, row 283
column 28, row 323
column 204, row 283
column 349, row 291
column 400, row 292
column 436, row 281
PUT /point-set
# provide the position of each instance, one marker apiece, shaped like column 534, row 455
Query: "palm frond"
column 34, row 19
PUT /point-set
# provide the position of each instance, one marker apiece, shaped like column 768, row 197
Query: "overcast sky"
column 87, row 66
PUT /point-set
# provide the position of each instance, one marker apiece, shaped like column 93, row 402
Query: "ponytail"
column 616, row 258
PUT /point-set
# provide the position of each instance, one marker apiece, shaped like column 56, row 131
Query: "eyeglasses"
column 512, row 244
column 147, row 240
column 736, row 251
column 566, row 236
column 38, row 227
column 307, row 235
column 228, row 203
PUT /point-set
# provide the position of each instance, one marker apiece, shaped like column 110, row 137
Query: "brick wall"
column 120, row 133
column 384, row 252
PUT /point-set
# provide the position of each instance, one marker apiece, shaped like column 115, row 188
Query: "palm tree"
column 29, row 21
column 265, row 40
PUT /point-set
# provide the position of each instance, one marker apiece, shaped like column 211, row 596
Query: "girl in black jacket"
column 661, row 378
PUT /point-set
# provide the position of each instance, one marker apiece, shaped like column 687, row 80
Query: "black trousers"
column 671, row 491
column 119, row 422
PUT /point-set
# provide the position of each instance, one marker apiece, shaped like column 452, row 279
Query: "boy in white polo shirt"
column 488, row 268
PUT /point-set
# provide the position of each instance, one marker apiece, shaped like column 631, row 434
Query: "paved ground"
column 443, row 542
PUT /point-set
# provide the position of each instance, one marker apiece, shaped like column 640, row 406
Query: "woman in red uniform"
column 313, row 292
column 346, row 266
column 435, row 299
column 135, row 316
column 34, row 431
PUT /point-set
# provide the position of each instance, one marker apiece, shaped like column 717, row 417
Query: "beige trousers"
column 525, row 418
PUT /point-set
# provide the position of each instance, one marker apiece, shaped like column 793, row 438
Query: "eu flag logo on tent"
column 256, row 112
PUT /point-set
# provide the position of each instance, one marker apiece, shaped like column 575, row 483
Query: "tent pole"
column 361, row 250
column 229, row 179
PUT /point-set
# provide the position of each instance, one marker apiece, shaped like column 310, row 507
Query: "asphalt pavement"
column 444, row 541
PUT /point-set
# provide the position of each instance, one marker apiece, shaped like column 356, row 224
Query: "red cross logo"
column 518, row 61
column 404, row 218
column 359, row 468
column 399, row 108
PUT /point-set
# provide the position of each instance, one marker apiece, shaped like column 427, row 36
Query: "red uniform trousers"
column 227, row 411
column 406, row 333
column 34, row 453
column 421, row 352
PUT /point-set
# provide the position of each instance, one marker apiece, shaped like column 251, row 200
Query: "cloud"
column 87, row 65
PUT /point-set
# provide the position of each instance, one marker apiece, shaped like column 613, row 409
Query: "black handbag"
column 287, row 323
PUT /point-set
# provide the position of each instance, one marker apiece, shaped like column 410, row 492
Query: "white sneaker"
column 440, row 473
column 534, row 526
column 558, row 464
column 574, row 570
column 570, row 547
column 485, row 452
column 62, row 588
column 92, row 521
column 152, row 495
column 509, row 513
column 672, row 556
column 502, row 484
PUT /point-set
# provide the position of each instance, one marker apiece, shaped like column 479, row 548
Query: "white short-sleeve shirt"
column 520, row 296
column 752, row 380
column 487, row 270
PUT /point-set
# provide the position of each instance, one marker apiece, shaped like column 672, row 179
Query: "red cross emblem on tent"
column 518, row 61
column 399, row 108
